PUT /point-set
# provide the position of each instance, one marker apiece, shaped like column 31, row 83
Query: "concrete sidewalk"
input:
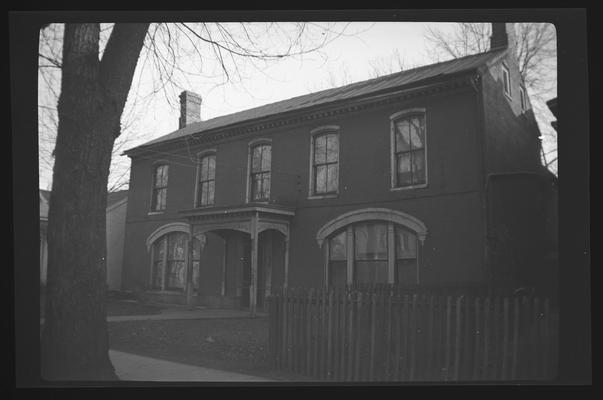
column 131, row 367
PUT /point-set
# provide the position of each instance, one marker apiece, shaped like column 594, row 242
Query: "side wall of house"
column 450, row 205
column 515, row 181
column 116, row 224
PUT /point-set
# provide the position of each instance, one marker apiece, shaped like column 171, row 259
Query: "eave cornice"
column 317, row 113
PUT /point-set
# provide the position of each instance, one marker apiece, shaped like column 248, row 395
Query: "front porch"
column 254, row 256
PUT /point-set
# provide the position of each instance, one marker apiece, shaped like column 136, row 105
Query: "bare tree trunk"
column 93, row 94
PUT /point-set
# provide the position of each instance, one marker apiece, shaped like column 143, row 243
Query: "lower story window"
column 169, row 262
column 381, row 250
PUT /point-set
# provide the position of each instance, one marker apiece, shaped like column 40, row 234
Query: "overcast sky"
column 349, row 58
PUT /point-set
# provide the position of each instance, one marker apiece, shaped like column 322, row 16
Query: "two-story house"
column 429, row 176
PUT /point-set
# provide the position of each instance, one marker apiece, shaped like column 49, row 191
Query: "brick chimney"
column 503, row 35
column 190, row 108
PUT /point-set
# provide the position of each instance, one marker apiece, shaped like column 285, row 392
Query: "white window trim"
column 200, row 155
column 250, row 146
column 392, row 144
column 154, row 166
column 313, row 134
column 504, row 69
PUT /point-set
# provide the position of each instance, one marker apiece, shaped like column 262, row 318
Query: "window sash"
column 207, row 178
column 409, row 151
column 260, row 186
column 325, row 163
column 159, row 193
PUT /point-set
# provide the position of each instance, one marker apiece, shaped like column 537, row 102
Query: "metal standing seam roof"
column 324, row 97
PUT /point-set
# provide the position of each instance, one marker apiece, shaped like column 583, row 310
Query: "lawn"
column 116, row 306
column 236, row 345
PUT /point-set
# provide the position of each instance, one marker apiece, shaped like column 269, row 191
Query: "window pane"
column 418, row 166
column 337, row 247
column 402, row 135
column 320, row 148
column 203, row 169
column 406, row 244
column 203, row 194
column 403, row 169
column 321, row 179
column 211, row 167
column 196, row 274
column 176, row 243
column 338, row 272
column 332, row 147
column 406, row 271
column 266, row 186
column 266, row 158
column 370, row 271
column 416, row 132
column 332, row 177
column 370, row 241
column 157, row 274
column 256, row 154
column 210, row 192
column 175, row 278
column 159, row 248
column 158, row 176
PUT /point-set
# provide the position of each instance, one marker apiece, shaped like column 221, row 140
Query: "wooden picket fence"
column 380, row 335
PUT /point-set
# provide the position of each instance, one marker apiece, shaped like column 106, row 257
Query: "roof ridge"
column 366, row 81
column 198, row 126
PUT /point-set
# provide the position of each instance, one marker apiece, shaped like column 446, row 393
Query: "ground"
column 236, row 345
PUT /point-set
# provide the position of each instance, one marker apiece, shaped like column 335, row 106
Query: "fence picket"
column 388, row 333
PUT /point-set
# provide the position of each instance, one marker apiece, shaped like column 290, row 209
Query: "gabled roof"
column 351, row 91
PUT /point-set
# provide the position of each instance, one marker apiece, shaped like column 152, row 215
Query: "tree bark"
column 93, row 94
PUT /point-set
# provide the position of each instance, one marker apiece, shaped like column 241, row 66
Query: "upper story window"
column 522, row 98
column 160, row 182
column 408, row 145
column 506, row 80
column 261, row 158
column 325, row 163
column 206, row 180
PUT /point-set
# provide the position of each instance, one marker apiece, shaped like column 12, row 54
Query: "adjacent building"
column 430, row 176
column 116, row 220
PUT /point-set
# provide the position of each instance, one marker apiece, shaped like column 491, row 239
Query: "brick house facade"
column 429, row 176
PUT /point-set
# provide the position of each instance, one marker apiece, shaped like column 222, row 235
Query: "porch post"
column 223, row 285
column 267, row 265
column 254, row 264
column 286, row 279
column 189, row 269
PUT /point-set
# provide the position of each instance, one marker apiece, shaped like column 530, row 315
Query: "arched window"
column 206, row 184
column 169, row 261
column 261, row 158
column 372, row 246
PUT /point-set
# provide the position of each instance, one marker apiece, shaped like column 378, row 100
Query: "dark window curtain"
column 338, row 259
column 370, row 253
column 406, row 256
